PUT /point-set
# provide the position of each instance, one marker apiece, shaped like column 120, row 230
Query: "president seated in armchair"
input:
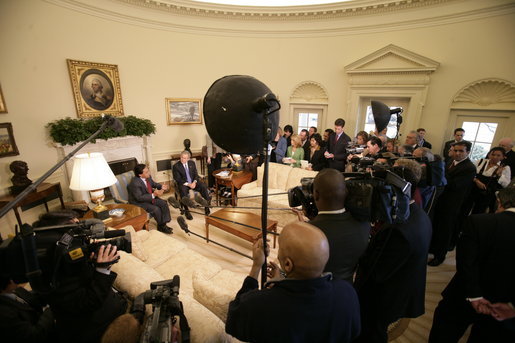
column 187, row 178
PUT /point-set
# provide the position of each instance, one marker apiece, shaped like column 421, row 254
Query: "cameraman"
column 82, row 299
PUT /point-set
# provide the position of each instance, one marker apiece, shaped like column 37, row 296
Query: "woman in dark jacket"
column 316, row 153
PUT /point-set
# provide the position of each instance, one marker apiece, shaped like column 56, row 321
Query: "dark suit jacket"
column 25, row 322
column 428, row 145
column 138, row 192
column 338, row 149
column 179, row 173
column 485, row 259
column 348, row 240
column 318, row 160
column 510, row 161
column 446, row 148
column 391, row 279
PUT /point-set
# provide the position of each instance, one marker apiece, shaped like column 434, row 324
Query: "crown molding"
column 356, row 17
column 309, row 92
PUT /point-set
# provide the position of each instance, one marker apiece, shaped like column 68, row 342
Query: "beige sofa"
column 281, row 178
column 205, row 289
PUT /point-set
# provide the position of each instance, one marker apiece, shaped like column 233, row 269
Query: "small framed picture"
column 7, row 144
column 3, row 106
column 183, row 111
column 96, row 88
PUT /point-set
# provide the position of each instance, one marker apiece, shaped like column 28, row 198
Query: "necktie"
column 188, row 177
column 149, row 189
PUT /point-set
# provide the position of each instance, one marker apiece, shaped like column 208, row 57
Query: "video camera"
column 164, row 297
column 378, row 196
column 35, row 252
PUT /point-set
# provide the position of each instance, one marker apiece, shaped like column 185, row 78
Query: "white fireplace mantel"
column 113, row 149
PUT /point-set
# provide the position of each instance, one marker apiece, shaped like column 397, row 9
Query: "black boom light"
column 382, row 114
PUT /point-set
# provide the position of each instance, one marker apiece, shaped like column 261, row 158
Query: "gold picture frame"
column 181, row 111
column 96, row 88
column 3, row 106
column 7, row 143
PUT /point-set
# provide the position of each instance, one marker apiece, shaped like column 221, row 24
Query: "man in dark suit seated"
column 144, row 192
column 459, row 174
column 484, row 281
column 304, row 306
column 336, row 153
column 391, row 277
column 348, row 238
column 186, row 176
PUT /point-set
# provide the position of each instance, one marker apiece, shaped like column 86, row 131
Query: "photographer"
column 82, row 300
column 348, row 238
column 306, row 306
column 391, row 277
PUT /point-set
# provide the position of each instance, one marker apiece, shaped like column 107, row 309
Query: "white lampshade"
column 90, row 172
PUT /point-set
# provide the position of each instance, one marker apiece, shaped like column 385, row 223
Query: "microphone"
column 186, row 201
column 113, row 122
column 200, row 200
column 263, row 103
column 176, row 283
column 174, row 202
column 183, row 225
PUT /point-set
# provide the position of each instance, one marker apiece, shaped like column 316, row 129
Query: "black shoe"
column 165, row 229
column 435, row 262
column 188, row 215
column 207, row 211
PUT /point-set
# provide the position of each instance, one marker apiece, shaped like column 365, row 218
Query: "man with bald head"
column 305, row 306
column 348, row 238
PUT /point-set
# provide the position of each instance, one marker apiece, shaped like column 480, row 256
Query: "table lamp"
column 92, row 173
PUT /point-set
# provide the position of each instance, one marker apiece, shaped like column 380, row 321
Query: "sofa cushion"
column 184, row 263
column 277, row 175
column 296, row 174
column 138, row 250
column 216, row 293
column 134, row 276
column 160, row 248
column 205, row 326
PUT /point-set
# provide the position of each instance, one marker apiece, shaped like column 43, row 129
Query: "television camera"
column 36, row 254
column 164, row 297
column 378, row 196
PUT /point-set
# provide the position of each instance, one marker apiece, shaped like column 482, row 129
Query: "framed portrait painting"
column 96, row 88
column 7, row 144
column 3, row 106
column 183, row 111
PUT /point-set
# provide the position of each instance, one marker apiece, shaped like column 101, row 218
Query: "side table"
column 43, row 193
column 234, row 180
column 134, row 215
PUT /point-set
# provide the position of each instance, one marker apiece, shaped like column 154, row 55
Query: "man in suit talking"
column 144, row 192
column 186, row 176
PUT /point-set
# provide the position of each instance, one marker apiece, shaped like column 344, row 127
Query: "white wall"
column 37, row 37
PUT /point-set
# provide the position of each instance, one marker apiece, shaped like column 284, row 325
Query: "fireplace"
column 121, row 153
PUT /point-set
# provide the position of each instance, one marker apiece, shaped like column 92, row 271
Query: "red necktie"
column 149, row 189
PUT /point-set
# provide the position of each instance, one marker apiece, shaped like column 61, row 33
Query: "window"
column 370, row 125
column 481, row 135
column 306, row 120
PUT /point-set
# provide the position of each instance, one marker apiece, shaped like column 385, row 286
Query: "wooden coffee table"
column 134, row 215
column 228, row 219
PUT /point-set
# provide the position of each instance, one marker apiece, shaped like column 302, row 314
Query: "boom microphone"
column 182, row 224
column 186, row 201
column 113, row 122
column 200, row 200
column 174, row 202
